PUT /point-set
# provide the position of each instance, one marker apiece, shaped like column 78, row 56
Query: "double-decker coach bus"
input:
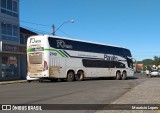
column 52, row 57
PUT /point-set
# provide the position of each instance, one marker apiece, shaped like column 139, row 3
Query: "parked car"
column 29, row 79
column 154, row 73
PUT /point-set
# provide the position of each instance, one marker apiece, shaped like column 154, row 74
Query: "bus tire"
column 54, row 80
column 118, row 75
column 124, row 76
column 41, row 80
column 28, row 81
column 79, row 76
column 70, row 76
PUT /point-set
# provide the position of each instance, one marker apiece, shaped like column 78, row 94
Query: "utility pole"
column 53, row 30
column 53, row 27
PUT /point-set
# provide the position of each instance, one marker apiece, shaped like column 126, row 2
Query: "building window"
column 9, row 32
column 3, row 28
column 9, row 4
column 15, row 6
column 9, row 29
column 3, row 3
column 9, row 7
column 15, row 30
column 10, row 68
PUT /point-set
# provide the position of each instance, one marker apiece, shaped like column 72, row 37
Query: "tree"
column 147, row 64
column 156, row 60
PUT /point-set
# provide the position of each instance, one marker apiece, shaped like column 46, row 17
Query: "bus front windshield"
column 130, row 63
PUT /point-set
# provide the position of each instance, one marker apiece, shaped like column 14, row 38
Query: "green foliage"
column 147, row 63
column 156, row 60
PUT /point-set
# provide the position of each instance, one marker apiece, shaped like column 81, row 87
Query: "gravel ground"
column 146, row 93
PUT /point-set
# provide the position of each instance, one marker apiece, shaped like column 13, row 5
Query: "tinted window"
column 102, row 64
column 96, row 63
column 130, row 63
column 154, row 71
column 127, row 52
column 87, row 47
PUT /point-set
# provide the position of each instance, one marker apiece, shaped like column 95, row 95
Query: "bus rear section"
column 37, row 65
column 37, row 58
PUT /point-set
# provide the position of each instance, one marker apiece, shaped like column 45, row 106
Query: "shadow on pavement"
column 88, row 79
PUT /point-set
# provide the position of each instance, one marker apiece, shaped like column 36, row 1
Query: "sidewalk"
column 146, row 93
column 12, row 82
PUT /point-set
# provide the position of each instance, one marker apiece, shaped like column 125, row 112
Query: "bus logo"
column 62, row 44
column 33, row 40
column 110, row 58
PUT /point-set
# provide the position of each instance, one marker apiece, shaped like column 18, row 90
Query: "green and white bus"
column 53, row 57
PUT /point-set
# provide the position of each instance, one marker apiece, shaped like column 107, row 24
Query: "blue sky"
column 134, row 24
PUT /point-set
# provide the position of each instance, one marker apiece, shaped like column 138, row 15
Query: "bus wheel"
column 70, row 76
column 41, row 80
column 28, row 81
column 118, row 75
column 124, row 76
column 79, row 76
column 54, row 80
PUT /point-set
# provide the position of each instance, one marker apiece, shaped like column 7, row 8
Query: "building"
column 138, row 67
column 10, row 41
column 12, row 46
column 24, row 34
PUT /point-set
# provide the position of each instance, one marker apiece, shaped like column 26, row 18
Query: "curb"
column 12, row 82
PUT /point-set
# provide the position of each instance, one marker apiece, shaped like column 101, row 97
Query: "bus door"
column 130, row 66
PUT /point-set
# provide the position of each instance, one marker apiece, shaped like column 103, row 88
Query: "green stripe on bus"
column 63, row 53
column 56, row 51
column 29, row 50
column 60, row 52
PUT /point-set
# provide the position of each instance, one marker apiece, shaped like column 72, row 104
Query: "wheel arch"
column 124, row 71
column 118, row 71
column 70, row 70
column 80, row 70
column 124, row 75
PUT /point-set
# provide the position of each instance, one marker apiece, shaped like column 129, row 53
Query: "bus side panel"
column 130, row 72
column 57, row 67
column 74, row 64
column 97, row 72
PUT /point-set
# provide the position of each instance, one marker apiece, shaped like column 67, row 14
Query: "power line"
column 65, row 33
column 145, row 52
column 32, row 23
column 35, row 23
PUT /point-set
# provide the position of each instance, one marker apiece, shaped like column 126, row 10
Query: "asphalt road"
column 92, row 91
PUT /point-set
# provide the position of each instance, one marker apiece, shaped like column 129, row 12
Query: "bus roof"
column 80, row 40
